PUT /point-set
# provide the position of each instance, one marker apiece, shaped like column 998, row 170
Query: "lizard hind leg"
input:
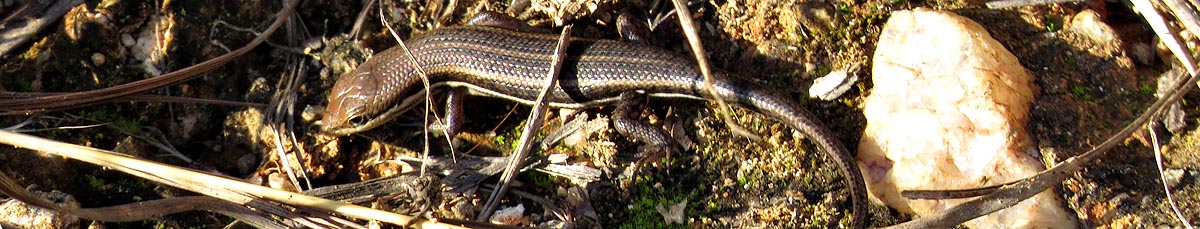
column 626, row 120
column 633, row 30
column 501, row 20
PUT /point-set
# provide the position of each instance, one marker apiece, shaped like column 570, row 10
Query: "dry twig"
column 223, row 188
column 693, row 37
column 1166, row 34
column 1019, row 3
column 536, row 118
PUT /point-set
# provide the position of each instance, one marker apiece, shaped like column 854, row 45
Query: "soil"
column 1089, row 91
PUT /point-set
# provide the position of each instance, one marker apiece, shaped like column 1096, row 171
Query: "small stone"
column 280, row 181
column 152, row 43
column 832, row 85
column 948, row 111
column 1142, row 53
column 260, row 90
column 811, row 15
column 1161, row 50
column 511, row 216
column 1173, row 176
column 1174, row 117
column 127, row 40
column 312, row 112
column 17, row 213
column 566, row 114
column 558, row 158
column 98, row 59
column 1090, row 25
column 581, row 137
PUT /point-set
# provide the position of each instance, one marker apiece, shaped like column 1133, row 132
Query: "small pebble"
column 312, row 112
column 22, row 215
column 127, row 40
column 98, row 59
column 558, row 158
column 1142, row 53
column 832, row 85
column 1089, row 24
column 1173, row 176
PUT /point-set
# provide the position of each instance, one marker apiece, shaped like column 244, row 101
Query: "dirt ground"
column 1088, row 91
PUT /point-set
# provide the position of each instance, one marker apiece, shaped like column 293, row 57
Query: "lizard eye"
column 358, row 120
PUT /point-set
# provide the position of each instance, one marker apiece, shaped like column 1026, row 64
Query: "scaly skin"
column 510, row 64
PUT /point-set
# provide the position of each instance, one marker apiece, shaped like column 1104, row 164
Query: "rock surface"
column 1091, row 25
column 948, row 111
column 21, row 215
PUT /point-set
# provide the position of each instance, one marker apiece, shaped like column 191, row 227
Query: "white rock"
column 511, row 216
column 127, row 40
column 22, row 215
column 948, row 111
column 153, row 42
column 1089, row 24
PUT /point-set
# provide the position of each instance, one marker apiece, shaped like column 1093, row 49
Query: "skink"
column 510, row 64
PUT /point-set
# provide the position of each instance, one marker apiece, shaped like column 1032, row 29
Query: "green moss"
column 1081, row 93
column 95, row 182
column 500, row 140
column 539, row 180
column 126, row 125
column 843, row 8
column 114, row 118
column 1146, row 89
column 643, row 212
column 1052, row 23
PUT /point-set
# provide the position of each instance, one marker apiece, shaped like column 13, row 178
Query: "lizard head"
column 347, row 111
column 369, row 96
